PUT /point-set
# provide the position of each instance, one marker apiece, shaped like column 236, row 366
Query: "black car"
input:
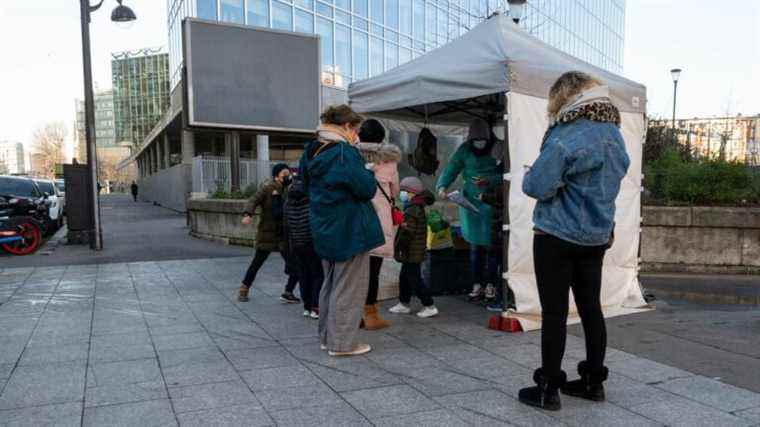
column 21, row 187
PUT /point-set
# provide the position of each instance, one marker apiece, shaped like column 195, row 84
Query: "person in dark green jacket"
column 344, row 225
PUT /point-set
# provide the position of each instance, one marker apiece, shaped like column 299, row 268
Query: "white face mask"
column 479, row 143
column 404, row 196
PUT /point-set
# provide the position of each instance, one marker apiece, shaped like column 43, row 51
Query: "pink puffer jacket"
column 385, row 157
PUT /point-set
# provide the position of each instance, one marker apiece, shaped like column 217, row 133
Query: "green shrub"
column 673, row 179
column 223, row 194
column 249, row 191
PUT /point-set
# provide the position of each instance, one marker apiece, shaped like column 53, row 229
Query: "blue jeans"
column 484, row 265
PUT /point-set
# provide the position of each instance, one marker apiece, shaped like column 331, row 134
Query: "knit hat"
column 372, row 131
column 479, row 129
column 279, row 167
column 412, row 184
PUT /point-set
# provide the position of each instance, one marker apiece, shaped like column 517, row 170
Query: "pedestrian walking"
column 344, row 225
column 383, row 159
column 269, row 236
column 410, row 248
column 575, row 181
column 474, row 162
column 300, row 244
column 133, row 189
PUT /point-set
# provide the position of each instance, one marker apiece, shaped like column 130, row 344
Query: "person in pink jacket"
column 383, row 159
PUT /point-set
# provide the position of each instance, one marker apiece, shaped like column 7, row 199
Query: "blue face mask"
column 405, row 198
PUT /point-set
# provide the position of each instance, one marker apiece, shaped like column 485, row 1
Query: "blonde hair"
column 566, row 87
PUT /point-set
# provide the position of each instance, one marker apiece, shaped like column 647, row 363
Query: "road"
column 132, row 232
column 717, row 341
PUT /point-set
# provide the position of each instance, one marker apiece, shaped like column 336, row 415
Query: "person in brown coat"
column 410, row 245
column 269, row 234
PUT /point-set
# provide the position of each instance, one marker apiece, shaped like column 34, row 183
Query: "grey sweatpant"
column 341, row 302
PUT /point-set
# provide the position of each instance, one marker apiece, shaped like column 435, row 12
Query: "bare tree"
column 107, row 171
column 48, row 142
column 728, row 127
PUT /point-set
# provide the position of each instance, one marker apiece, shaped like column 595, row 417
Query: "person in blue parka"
column 479, row 172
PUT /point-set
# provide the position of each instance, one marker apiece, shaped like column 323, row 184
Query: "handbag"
column 396, row 215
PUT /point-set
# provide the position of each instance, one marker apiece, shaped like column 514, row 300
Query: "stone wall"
column 169, row 188
column 701, row 240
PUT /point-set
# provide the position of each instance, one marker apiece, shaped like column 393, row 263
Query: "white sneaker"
column 358, row 350
column 428, row 312
column 400, row 309
column 314, row 315
column 322, row 347
column 306, row 313
column 477, row 289
column 490, row 291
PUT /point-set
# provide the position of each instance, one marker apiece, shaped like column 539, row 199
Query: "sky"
column 715, row 42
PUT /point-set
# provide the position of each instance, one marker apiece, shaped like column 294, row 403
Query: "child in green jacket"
column 410, row 245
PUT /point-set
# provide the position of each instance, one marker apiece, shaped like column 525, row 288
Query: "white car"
column 55, row 198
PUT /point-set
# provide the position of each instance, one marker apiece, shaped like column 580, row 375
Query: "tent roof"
column 495, row 57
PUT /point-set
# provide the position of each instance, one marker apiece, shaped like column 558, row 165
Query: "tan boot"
column 243, row 293
column 372, row 319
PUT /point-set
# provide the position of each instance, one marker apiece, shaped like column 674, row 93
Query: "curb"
column 704, row 289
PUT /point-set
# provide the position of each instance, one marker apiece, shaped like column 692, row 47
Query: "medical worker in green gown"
column 478, row 168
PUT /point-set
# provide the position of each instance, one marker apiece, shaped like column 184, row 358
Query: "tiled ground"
column 166, row 343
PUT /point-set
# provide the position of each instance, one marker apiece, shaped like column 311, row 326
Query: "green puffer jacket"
column 411, row 238
column 269, row 235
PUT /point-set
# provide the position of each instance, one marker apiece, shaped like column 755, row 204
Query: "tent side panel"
column 620, row 289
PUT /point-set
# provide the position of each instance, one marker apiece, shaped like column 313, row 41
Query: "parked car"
column 12, row 187
column 20, row 231
column 56, row 199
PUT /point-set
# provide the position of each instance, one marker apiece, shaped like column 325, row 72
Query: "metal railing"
column 212, row 174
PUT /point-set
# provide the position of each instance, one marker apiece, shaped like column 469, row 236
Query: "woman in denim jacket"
column 575, row 181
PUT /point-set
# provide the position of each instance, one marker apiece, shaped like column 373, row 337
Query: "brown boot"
column 243, row 293
column 372, row 319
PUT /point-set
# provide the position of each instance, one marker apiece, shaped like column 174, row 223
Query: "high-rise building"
column 140, row 92
column 104, row 124
column 364, row 38
column 11, row 158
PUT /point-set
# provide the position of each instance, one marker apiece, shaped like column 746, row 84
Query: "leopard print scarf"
column 603, row 112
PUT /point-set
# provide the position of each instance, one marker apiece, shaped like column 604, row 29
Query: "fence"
column 213, row 173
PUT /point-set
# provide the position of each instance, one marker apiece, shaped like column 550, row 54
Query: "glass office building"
column 104, row 124
column 364, row 38
column 140, row 92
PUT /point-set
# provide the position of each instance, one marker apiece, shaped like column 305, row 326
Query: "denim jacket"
column 576, row 180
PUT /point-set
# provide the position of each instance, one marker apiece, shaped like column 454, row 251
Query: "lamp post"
column 675, row 73
column 516, row 9
column 120, row 14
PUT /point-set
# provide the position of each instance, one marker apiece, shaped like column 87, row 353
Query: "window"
column 342, row 50
column 430, row 24
column 419, row 19
column 376, row 56
column 342, row 17
column 361, row 24
column 324, row 9
column 361, row 55
column 391, row 55
column 282, row 16
column 306, row 4
column 206, row 9
column 325, row 30
column 258, row 13
column 232, row 11
column 304, row 22
column 391, row 14
column 404, row 56
column 343, row 4
column 405, row 14
column 376, row 10
column 360, row 8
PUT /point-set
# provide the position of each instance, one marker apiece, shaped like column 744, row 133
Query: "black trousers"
column 410, row 282
column 375, row 265
column 560, row 266
column 258, row 260
column 310, row 276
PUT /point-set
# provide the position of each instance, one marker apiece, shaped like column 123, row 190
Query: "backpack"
column 425, row 156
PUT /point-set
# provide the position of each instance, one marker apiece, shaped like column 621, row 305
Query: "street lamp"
column 675, row 73
column 120, row 14
column 516, row 9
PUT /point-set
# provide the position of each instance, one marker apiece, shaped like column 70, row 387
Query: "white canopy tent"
column 499, row 72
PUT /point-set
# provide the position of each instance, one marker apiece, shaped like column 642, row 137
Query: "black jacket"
column 296, row 218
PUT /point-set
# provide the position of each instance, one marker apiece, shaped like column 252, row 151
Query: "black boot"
column 589, row 386
column 545, row 394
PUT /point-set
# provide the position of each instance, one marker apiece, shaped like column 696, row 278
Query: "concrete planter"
column 701, row 240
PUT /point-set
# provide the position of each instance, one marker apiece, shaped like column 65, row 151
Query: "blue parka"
column 343, row 222
column 476, row 227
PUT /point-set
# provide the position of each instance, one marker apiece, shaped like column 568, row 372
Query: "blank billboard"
column 240, row 77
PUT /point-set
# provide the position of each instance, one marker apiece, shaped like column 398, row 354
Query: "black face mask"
column 287, row 180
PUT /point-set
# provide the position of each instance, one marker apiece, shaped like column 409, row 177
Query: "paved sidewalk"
column 161, row 343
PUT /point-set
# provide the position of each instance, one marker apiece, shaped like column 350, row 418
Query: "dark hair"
column 372, row 131
column 340, row 115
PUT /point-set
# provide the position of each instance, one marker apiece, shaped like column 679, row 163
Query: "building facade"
column 734, row 138
column 364, row 38
column 140, row 93
column 12, row 158
column 104, row 124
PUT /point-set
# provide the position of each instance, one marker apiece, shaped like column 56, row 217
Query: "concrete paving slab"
column 298, row 397
column 347, row 375
column 125, row 393
column 230, row 416
column 389, row 401
column 144, row 414
column 215, row 395
column 677, row 411
column 712, row 393
column 752, row 415
column 46, row 354
column 124, row 372
column 338, row 415
column 182, row 341
column 493, row 406
column 647, row 371
column 279, row 378
column 260, row 358
column 64, row 415
column 442, row 381
column 199, row 373
column 44, row 385
column 438, row 418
